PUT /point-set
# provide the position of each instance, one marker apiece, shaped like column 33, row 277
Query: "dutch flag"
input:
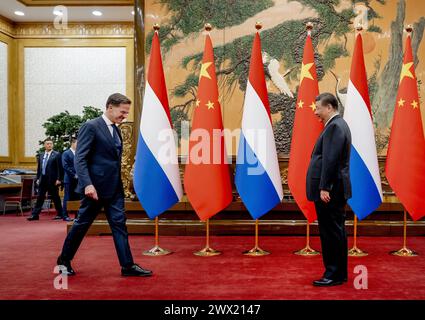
column 156, row 173
column 364, row 169
column 257, row 177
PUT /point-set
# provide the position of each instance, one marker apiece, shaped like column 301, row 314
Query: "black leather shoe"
column 324, row 282
column 135, row 271
column 67, row 219
column 33, row 217
column 65, row 266
column 57, row 218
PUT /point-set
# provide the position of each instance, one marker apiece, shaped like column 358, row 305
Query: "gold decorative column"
column 127, row 158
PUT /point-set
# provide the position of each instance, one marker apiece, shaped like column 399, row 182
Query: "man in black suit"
column 49, row 177
column 329, row 186
column 70, row 175
column 98, row 167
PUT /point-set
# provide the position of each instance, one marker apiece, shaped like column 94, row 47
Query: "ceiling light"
column 19, row 13
column 132, row 12
column 58, row 13
column 97, row 13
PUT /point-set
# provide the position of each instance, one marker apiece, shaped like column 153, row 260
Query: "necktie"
column 44, row 164
column 116, row 137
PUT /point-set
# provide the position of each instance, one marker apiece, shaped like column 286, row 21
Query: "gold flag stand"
column 156, row 250
column 355, row 251
column 256, row 251
column 307, row 250
column 404, row 251
column 207, row 251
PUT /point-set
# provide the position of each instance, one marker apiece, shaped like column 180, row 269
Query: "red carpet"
column 29, row 249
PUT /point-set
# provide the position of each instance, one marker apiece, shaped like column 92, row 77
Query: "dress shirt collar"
column 106, row 119
column 336, row 113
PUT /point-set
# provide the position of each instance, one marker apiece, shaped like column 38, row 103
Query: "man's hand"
column 324, row 195
column 58, row 183
column 91, row 192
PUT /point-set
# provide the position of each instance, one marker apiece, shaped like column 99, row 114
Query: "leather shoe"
column 324, row 282
column 67, row 219
column 135, row 271
column 57, row 218
column 65, row 266
column 33, row 217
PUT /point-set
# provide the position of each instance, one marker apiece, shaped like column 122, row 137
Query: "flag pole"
column 307, row 250
column 355, row 251
column 404, row 251
column 156, row 250
column 256, row 251
column 207, row 251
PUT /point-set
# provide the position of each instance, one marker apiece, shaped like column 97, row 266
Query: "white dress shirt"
column 109, row 123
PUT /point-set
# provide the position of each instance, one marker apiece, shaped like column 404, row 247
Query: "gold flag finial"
column 258, row 25
column 359, row 27
column 156, row 27
column 309, row 26
column 207, row 27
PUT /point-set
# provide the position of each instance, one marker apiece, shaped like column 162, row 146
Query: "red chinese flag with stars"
column 207, row 176
column 307, row 129
column 405, row 166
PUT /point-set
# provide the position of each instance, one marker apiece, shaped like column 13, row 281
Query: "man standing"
column 98, row 167
column 329, row 186
column 70, row 176
column 49, row 177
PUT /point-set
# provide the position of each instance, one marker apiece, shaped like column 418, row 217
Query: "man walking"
column 98, row 167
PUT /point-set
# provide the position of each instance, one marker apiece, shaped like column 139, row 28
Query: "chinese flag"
column 307, row 129
column 405, row 167
column 207, row 176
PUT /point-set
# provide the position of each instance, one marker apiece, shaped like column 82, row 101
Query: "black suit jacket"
column 97, row 160
column 68, row 166
column 54, row 170
column 329, row 167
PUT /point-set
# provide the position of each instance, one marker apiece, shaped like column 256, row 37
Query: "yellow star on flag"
column 198, row 102
column 210, row 105
column 305, row 71
column 313, row 106
column 414, row 104
column 204, row 72
column 300, row 104
column 405, row 71
column 400, row 102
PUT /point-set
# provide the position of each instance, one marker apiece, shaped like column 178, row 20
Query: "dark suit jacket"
column 54, row 170
column 68, row 166
column 97, row 160
column 329, row 164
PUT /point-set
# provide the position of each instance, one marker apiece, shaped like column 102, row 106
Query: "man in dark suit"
column 70, row 175
column 98, row 167
column 49, row 177
column 328, row 185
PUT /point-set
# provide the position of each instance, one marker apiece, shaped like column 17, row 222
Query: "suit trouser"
column 89, row 208
column 53, row 191
column 69, row 195
column 333, row 237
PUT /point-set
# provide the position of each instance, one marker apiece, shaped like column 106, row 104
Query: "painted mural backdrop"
column 283, row 36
